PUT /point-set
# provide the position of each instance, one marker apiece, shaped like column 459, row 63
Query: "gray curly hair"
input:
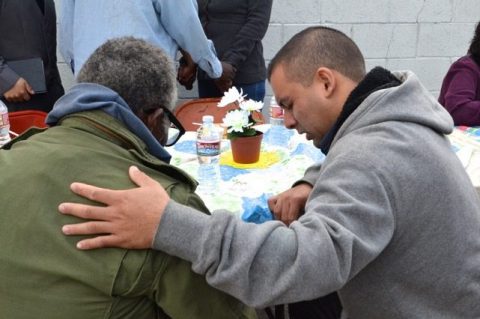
column 142, row 74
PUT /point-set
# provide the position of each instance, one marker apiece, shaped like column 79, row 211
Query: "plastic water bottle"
column 278, row 134
column 4, row 124
column 208, row 154
column 276, row 113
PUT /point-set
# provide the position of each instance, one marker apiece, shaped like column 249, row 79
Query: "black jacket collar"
column 377, row 79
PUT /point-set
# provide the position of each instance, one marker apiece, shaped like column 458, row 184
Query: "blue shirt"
column 87, row 24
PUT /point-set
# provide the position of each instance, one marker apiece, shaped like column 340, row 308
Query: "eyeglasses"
column 175, row 131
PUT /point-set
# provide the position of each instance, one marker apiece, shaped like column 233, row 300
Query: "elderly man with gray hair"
column 117, row 116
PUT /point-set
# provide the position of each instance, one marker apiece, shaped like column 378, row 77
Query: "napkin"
column 255, row 210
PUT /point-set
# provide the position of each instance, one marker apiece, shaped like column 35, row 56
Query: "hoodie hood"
column 90, row 96
column 408, row 102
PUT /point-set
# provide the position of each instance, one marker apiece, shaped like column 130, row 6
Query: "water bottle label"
column 208, row 148
column 276, row 112
column 4, row 119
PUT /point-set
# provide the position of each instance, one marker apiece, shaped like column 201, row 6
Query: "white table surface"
column 466, row 144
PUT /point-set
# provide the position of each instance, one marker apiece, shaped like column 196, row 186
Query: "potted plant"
column 245, row 140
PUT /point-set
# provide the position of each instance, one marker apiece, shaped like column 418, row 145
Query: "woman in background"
column 236, row 28
column 460, row 93
column 28, row 30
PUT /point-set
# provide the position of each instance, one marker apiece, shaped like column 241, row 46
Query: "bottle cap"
column 207, row 119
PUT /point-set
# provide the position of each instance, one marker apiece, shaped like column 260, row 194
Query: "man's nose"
column 288, row 120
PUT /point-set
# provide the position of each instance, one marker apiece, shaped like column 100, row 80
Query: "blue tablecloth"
column 240, row 184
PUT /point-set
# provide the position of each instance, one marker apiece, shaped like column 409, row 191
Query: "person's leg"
column 254, row 91
column 207, row 88
column 327, row 307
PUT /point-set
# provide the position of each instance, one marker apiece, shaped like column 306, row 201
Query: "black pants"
column 327, row 307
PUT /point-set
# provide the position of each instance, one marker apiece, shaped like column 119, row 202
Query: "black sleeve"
column 254, row 30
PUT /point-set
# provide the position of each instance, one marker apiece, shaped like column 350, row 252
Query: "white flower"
column 232, row 95
column 236, row 120
column 251, row 105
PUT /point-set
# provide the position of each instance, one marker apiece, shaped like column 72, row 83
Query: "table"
column 278, row 168
column 466, row 144
column 249, row 183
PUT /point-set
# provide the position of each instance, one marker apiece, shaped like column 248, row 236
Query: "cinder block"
column 371, row 63
column 291, row 29
column 299, row 11
column 359, row 11
column 268, row 90
column 435, row 11
column 430, row 71
column 59, row 55
column 466, row 11
column 444, row 39
column 346, row 28
column 272, row 41
column 57, row 7
column 402, row 64
column 386, row 40
column 187, row 94
column 406, row 11
column 66, row 75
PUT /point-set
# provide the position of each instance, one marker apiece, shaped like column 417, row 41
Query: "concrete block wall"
column 424, row 36
column 63, row 68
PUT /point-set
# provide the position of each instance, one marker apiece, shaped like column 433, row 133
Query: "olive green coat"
column 48, row 278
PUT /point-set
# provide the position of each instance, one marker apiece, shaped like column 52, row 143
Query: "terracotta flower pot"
column 246, row 150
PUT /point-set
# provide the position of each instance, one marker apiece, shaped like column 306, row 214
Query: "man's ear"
column 327, row 80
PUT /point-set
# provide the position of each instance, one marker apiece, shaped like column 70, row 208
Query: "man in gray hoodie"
column 391, row 221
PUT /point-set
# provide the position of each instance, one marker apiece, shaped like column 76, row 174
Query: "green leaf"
column 246, row 132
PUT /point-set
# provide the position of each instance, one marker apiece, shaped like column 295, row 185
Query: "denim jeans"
column 254, row 91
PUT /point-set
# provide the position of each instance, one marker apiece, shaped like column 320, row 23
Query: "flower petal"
column 231, row 96
column 251, row 105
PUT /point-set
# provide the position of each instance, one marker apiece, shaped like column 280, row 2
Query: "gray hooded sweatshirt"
column 392, row 223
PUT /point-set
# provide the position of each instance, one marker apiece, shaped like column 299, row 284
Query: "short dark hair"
column 474, row 49
column 316, row 47
column 141, row 73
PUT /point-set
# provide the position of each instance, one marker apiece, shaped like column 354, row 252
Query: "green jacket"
column 48, row 277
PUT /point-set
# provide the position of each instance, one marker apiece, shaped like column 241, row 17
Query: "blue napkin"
column 255, row 210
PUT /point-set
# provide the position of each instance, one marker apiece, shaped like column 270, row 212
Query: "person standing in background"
column 170, row 25
column 460, row 92
column 236, row 28
column 28, row 30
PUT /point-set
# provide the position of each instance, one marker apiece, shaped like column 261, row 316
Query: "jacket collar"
column 90, row 96
column 377, row 79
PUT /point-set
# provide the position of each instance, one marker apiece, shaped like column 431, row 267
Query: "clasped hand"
column 20, row 92
column 225, row 81
column 290, row 205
